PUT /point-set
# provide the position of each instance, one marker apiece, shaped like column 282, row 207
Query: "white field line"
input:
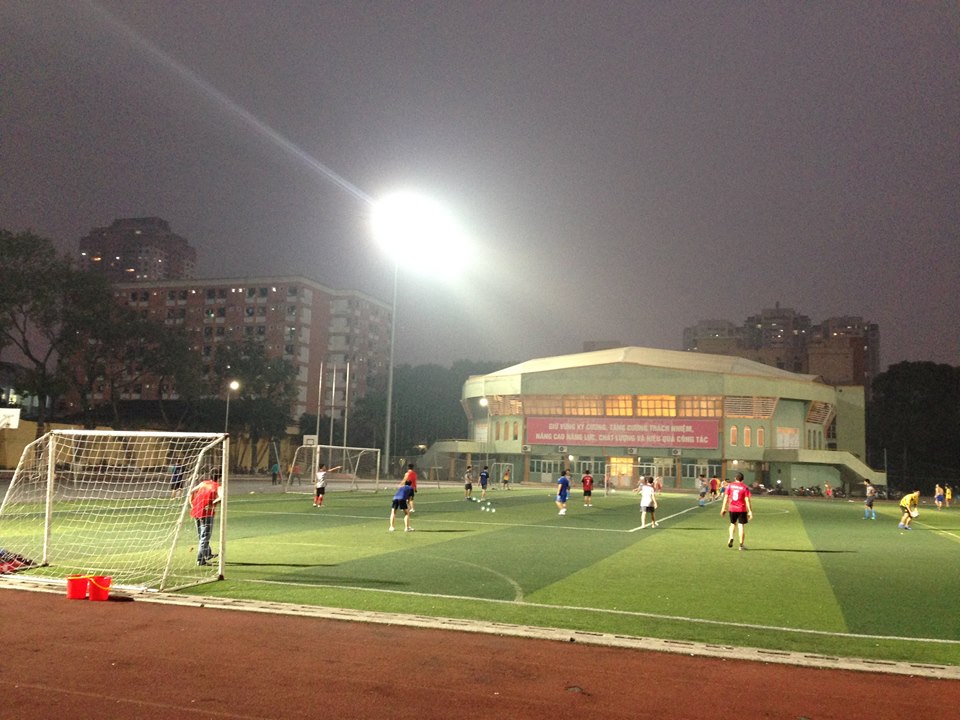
column 607, row 611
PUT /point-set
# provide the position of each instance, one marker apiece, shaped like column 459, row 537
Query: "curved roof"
column 654, row 357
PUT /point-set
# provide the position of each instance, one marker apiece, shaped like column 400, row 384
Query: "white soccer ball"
column 612, row 490
column 493, row 509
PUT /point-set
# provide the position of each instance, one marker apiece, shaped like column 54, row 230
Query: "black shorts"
column 868, row 502
column 468, row 486
column 587, row 493
column 321, row 491
column 739, row 517
column 399, row 505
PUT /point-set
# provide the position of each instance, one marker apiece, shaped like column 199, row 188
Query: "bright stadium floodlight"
column 413, row 228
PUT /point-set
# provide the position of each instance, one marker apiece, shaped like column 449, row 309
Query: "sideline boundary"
column 944, row 672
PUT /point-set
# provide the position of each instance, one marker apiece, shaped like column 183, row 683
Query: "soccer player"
column 702, row 490
column 714, row 487
column 868, row 512
column 322, row 484
column 563, row 490
column 949, row 496
column 908, row 506
column 411, row 475
column 505, row 480
column 468, row 483
column 401, row 502
column 587, row 482
column 484, row 479
column 648, row 502
column 939, row 496
column 736, row 498
column 204, row 497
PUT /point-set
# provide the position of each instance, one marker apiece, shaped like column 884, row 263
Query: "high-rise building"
column 137, row 250
column 841, row 350
column 297, row 319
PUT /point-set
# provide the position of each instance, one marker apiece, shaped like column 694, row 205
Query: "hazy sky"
column 624, row 168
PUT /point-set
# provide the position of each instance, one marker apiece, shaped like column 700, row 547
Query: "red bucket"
column 100, row 587
column 77, row 587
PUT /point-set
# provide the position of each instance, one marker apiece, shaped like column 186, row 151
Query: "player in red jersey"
column 736, row 499
column 587, row 481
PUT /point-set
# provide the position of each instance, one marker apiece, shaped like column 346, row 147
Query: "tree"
column 913, row 422
column 45, row 304
column 267, row 390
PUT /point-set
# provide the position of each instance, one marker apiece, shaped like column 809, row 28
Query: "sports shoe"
column 408, row 529
column 201, row 562
column 743, row 547
column 730, row 542
column 562, row 512
column 908, row 527
column 902, row 526
column 391, row 529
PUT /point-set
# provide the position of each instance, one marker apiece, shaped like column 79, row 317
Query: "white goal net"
column 115, row 504
column 356, row 467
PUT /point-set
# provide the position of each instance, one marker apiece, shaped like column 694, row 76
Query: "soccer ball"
column 612, row 490
column 493, row 509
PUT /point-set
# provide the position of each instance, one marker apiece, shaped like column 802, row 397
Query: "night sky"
column 624, row 169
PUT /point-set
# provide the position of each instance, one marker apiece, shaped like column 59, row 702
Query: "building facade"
column 841, row 350
column 296, row 319
column 137, row 250
column 629, row 412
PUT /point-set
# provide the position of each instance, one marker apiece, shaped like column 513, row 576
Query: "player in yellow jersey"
column 908, row 506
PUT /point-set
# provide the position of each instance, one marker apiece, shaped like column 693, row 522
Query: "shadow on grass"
column 278, row 564
column 798, row 550
column 422, row 532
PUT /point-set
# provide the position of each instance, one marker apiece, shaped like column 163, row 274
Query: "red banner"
column 693, row 433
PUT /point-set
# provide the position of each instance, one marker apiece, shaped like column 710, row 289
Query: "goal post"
column 117, row 504
column 358, row 466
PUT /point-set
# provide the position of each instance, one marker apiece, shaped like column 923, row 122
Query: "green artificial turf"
column 816, row 576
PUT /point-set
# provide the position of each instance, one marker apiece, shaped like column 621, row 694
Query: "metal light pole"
column 393, row 337
column 231, row 388
column 412, row 226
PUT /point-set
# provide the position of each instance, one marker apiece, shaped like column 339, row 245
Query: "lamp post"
column 408, row 225
column 231, row 388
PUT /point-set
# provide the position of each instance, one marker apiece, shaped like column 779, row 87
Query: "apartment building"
column 305, row 323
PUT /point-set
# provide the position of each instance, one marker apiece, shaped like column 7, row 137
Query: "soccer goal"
column 114, row 503
column 357, row 466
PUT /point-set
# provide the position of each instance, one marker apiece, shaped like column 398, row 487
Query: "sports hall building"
column 626, row 412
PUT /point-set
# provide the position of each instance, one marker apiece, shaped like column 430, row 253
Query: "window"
column 747, row 436
column 543, row 405
column 251, row 311
column 516, row 430
column 656, row 405
column 761, row 437
column 263, row 292
column 699, row 406
column 496, row 433
column 733, row 435
column 582, row 405
column 619, row 405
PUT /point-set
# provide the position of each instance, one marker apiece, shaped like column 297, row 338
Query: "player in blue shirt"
column 400, row 502
column 484, row 478
column 563, row 489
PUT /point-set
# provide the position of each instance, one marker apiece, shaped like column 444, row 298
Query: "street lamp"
column 411, row 226
column 231, row 388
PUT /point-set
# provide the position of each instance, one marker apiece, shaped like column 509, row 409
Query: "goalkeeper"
column 908, row 506
column 204, row 497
